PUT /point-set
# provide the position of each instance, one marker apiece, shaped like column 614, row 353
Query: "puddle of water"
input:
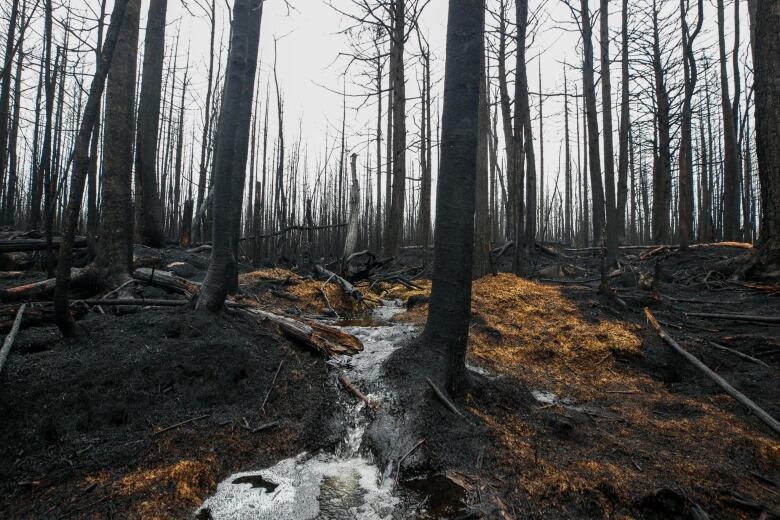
column 342, row 485
column 320, row 487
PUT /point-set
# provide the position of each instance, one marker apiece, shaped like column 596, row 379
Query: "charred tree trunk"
column 690, row 76
column 594, row 156
column 148, row 205
column 5, row 86
column 662, row 175
column 115, row 250
column 222, row 264
column 116, row 29
column 731, row 216
column 447, row 329
column 625, row 125
column 767, row 91
column 481, row 220
column 350, row 242
column 609, row 154
column 396, row 211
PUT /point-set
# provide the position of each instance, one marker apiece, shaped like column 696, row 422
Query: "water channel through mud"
column 344, row 483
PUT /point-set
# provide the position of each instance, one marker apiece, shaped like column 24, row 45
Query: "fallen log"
column 735, row 317
column 9, row 340
column 29, row 245
column 722, row 383
column 347, row 287
column 166, row 280
column 80, row 279
column 328, row 340
column 737, row 245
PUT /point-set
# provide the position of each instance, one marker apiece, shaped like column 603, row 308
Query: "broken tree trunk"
column 9, row 340
column 722, row 383
column 328, row 340
column 350, row 242
column 344, row 284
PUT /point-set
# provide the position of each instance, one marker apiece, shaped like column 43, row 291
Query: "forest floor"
column 586, row 413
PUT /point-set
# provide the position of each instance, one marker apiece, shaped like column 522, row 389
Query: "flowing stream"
column 344, row 484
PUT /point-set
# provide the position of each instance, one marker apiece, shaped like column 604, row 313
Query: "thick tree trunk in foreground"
column 81, row 165
column 148, row 206
column 222, row 264
column 767, row 91
column 116, row 220
column 447, row 329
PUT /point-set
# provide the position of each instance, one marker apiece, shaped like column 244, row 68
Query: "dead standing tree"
column 148, row 205
column 446, row 331
column 81, row 166
column 690, row 75
column 116, row 220
column 245, row 28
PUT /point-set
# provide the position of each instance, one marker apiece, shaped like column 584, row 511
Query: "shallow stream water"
column 344, row 484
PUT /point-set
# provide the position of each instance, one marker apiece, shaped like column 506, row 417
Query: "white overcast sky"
column 311, row 38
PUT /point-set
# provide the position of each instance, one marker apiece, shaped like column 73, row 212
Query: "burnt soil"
column 633, row 432
column 82, row 419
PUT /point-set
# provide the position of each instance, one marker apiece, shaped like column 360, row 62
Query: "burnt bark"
column 116, row 238
column 446, row 332
column 148, row 205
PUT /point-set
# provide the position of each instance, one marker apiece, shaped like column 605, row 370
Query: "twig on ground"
column 271, row 386
column 402, row 459
column 177, row 425
column 739, row 354
column 444, row 399
column 357, row 393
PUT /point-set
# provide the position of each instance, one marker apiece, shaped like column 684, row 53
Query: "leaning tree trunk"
column 767, row 92
column 81, row 167
column 115, row 250
column 447, row 329
column 148, row 206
